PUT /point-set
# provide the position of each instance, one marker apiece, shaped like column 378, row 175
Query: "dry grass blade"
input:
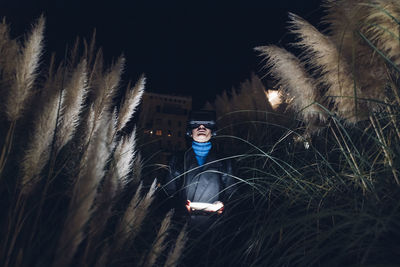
column 73, row 100
column 131, row 102
column 293, row 77
column 322, row 53
column 159, row 246
column 80, row 210
column 27, row 63
column 177, row 250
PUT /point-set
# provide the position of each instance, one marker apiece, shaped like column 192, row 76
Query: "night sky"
column 196, row 48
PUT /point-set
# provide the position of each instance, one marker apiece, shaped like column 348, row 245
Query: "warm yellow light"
column 274, row 97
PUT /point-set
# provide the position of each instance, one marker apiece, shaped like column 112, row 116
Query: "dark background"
column 196, row 48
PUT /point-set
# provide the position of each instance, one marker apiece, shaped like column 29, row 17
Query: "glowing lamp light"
column 274, row 97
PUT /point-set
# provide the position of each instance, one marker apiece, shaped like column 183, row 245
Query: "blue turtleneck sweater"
column 201, row 151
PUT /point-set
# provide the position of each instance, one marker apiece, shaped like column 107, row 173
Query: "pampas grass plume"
column 8, row 53
column 322, row 53
column 177, row 250
column 27, row 63
column 124, row 159
column 126, row 223
column 159, row 243
column 294, row 79
column 135, row 214
column 382, row 27
column 38, row 152
column 105, row 89
column 73, row 100
column 132, row 100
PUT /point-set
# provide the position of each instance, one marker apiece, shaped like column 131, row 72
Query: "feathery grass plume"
column 295, row 80
column 123, row 160
column 176, row 252
column 106, row 86
column 135, row 214
column 257, row 89
column 83, row 194
column 159, row 243
column 335, row 71
column 27, row 63
column 125, row 225
column 73, row 100
column 8, row 53
column 37, row 153
column 223, row 103
column 382, row 27
column 345, row 20
column 131, row 101
column 102, row 91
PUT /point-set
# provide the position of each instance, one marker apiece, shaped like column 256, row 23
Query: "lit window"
column 159, row 132
column 169, row 133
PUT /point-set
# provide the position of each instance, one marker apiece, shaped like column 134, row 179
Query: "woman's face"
column 201, row 134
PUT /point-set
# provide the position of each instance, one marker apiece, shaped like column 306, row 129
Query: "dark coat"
column 186, row 180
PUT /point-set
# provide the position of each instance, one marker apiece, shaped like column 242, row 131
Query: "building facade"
column 162, row 123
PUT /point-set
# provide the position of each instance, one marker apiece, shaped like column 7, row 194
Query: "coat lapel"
column 197, row 188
